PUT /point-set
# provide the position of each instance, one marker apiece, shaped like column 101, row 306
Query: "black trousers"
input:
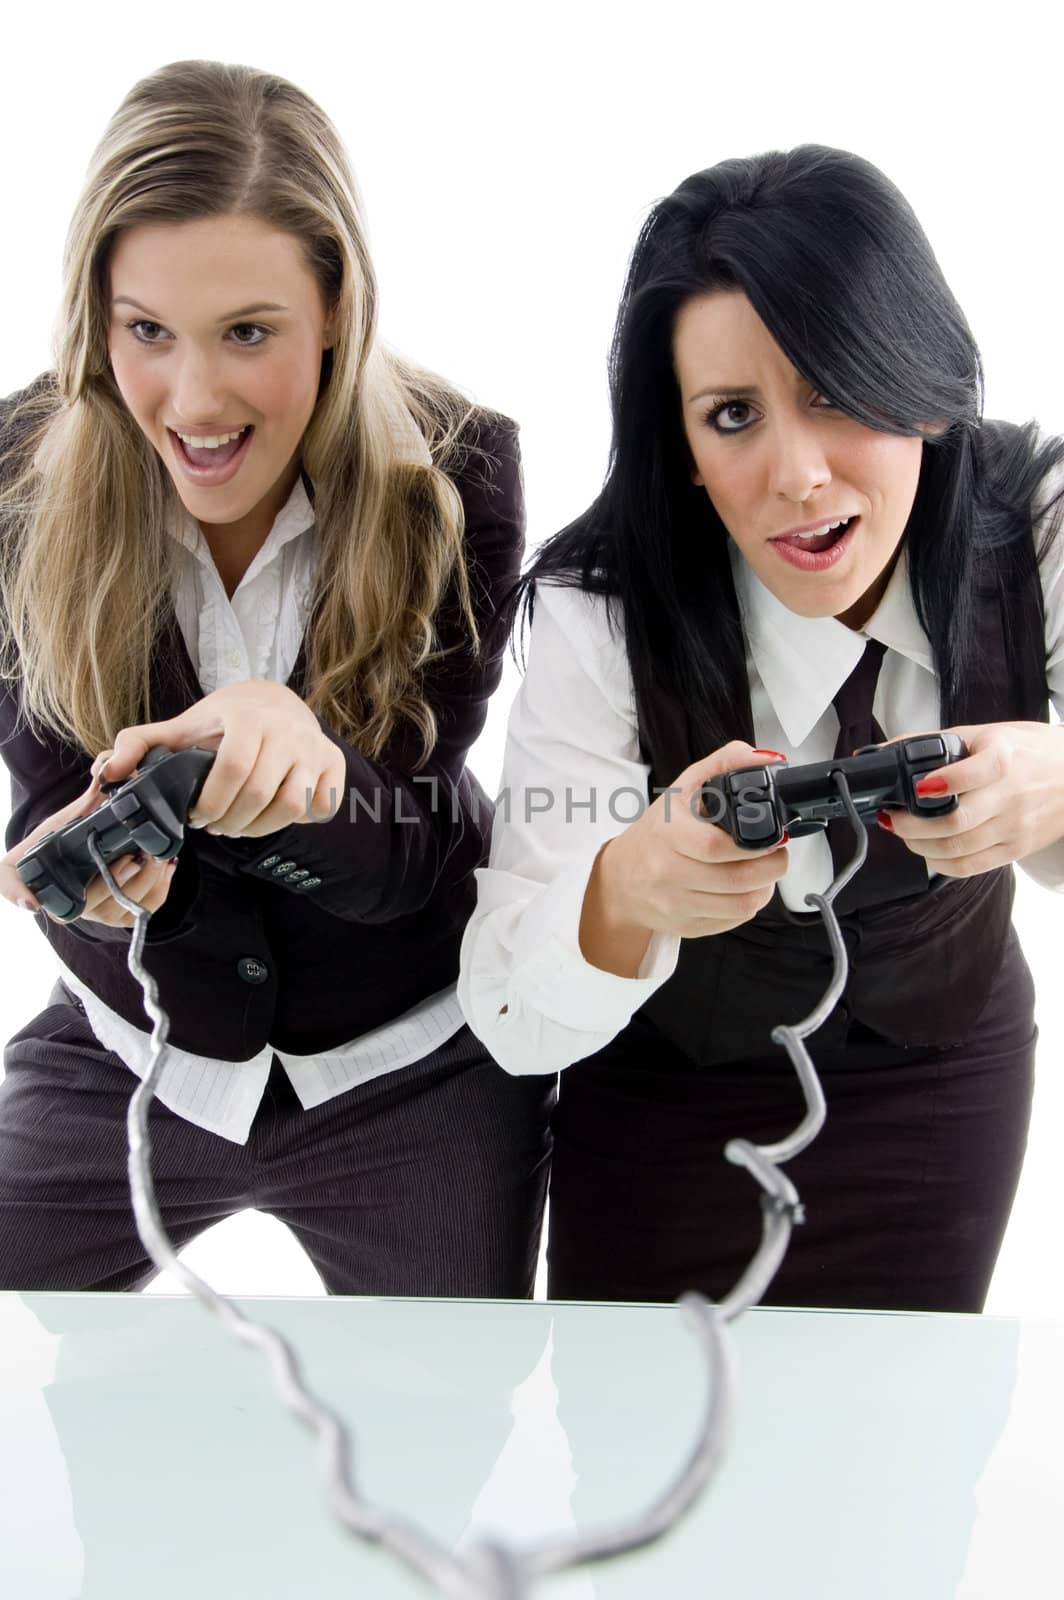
column 427, row 1181
column 907, row 1189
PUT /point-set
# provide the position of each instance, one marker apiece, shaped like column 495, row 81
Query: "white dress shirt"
column 525, row 988
column 257, row 634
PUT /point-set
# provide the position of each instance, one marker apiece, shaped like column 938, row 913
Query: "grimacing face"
column 816, row 501
column 217, row 329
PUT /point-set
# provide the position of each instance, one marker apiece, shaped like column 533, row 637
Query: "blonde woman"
column 231, row 518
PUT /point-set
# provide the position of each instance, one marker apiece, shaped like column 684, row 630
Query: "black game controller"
column 145, row 811
column 756, row 804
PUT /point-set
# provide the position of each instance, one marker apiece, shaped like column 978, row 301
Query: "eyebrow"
column 734, row 391
column 230, row 316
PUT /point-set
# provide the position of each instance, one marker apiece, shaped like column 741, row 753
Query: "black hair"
column 835, row 263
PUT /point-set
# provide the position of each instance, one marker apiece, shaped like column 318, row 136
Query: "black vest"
column 920, row 968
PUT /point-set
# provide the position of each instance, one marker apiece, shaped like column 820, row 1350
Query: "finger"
column 124, row 870
column 729, row 758
column 329, row 790
column 238, row 753
column 973, row 812
column 194, row 726
column 975, row 771
column 12, row 887
column 305, row 796
column 268, row 789
column 954, row 846
column 148, row 884
column 970, row 866
column 15, row 891
column 706, row 840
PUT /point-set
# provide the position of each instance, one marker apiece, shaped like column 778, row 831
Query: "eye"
column 731, row 416
column 249, row 333
column 146, row 332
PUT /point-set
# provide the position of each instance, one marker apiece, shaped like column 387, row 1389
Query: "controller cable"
column 494, row 1570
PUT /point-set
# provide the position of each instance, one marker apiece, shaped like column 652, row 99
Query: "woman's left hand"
column 273, row 767
column 1010, row 794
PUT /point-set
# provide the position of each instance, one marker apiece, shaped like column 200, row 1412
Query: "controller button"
column 284, row 869
column 125, row 807
column 252, row 970
column 112, row 841
column 152, row 839
column 930, row 749
column 749, row 778
column 297, row 877
column 53, row 899
column 310, row 883
column 271, row 861
column 758, row 828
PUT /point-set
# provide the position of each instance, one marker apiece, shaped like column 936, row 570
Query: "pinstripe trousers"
column 427, row 1181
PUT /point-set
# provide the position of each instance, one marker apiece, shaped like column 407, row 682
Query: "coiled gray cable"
column 492, row 1570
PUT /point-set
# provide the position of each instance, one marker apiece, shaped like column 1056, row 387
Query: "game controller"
column 756, row 805
column 145, row 811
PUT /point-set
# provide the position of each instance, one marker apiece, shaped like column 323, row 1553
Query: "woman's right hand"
column 672, row 871
column 143, row 878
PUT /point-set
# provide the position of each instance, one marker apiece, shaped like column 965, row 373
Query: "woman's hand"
column 273, row 767
column 143, row 878
column 1010, row 791
column 672, row 871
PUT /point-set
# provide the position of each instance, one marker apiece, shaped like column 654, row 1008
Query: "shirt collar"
column 804, row 661
column 293, row 519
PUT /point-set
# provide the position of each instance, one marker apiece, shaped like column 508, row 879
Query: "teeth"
column 827, row 527
column 208, row 441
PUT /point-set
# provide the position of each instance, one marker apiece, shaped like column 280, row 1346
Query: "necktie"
column 891, row 871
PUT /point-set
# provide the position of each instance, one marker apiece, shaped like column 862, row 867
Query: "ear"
column 697, row 478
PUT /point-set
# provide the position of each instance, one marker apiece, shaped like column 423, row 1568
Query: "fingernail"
column 885, row 821
column 171, row 861
column 931, row 786
column 27, row 904
column 777, row 754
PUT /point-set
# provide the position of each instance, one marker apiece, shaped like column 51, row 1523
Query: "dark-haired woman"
column 233, row 518
column 808, row 540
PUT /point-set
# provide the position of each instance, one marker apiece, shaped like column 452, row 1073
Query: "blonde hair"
column 84, row 581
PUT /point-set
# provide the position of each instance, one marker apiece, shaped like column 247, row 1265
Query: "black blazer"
column 241, row 959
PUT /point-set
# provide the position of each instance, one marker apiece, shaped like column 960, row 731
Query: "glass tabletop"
column 143, row 1453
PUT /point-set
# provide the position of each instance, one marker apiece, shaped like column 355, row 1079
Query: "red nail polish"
column 885, row 820
column 778, row 754
column 925, row 786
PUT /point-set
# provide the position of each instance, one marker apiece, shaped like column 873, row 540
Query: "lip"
column 210, row 477
column 815, row 560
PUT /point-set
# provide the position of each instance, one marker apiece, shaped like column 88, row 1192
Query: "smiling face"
column 217, row 329
column 816, row 501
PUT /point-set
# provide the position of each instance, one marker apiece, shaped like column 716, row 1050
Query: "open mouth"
column 210, row 454
column 819, row 539
column 822, row 548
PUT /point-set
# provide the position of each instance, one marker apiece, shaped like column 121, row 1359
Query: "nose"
column 798, row 465
column 197, row 393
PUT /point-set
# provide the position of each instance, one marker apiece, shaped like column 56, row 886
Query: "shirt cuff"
column 551, row 974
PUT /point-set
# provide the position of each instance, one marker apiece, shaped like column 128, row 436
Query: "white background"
column 507, row 156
